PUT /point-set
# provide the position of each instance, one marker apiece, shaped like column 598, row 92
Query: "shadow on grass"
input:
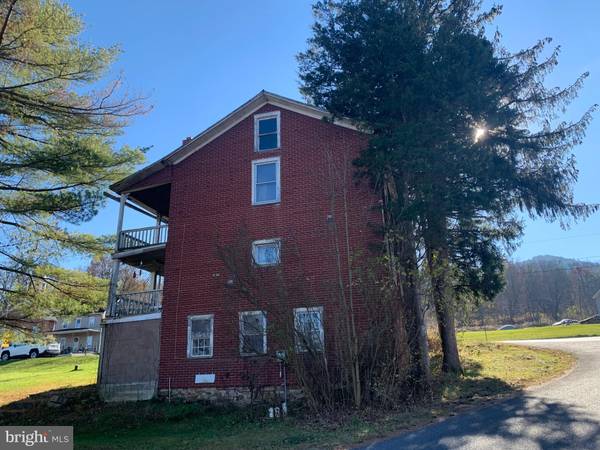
column 10, row 361
column 56, row 405
column 81, row 407
column 468, row 387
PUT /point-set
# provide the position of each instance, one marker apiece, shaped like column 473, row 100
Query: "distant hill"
column 559, row 260
column 543, row 290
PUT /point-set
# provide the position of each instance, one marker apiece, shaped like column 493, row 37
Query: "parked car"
column 28, row 350
column 507, row 327
column 564, row 322
column 53, row 349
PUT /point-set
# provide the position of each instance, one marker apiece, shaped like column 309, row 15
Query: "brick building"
column 267, row 171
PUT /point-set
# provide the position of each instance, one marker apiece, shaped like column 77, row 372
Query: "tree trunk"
column 444, row 309
column 414, row 321
column 400, row 246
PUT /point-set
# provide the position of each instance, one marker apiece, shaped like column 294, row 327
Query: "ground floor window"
column 308, row 328
column 253, row 333
column 200, row 336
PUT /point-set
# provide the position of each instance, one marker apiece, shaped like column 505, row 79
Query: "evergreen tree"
column 57, row 154
column 463, row 134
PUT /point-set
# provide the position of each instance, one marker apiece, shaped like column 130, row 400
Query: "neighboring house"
column 266, row 167
column 79, row 334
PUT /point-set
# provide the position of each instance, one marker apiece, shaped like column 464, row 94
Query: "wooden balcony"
column 136, row 303
column 143, row 237
column 143, row 248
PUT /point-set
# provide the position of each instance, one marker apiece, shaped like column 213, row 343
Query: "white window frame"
column 255, row 244
column 257, row 119
column 91, row 322
column 189, row 335
column 259, row 162
column 78, row 322
column 299, row 345
column 252, row 313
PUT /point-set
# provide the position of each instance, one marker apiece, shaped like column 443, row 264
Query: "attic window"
column 267, row 131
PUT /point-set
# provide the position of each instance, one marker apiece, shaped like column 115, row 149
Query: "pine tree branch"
column 6, row 19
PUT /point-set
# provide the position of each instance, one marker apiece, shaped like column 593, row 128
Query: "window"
column 91, row 322
column 265, row 181
column 78, row 323
column 200, row 336
column 266, row 131
column 266, row 252
column 308, row 325
column 65, row 324
column 253, row 333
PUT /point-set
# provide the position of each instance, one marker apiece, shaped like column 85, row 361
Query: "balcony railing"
column 135, row 303
column 143, row 237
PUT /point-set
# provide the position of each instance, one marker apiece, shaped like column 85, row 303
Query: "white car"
column 564, row 322
column 30, row 350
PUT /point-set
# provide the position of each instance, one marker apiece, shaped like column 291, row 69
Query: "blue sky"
column 199, row 60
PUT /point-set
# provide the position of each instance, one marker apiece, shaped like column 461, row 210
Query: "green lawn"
column 531, row 333
column 492, row 370
column 22, row 377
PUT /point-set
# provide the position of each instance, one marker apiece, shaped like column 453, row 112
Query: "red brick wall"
column 211, row 201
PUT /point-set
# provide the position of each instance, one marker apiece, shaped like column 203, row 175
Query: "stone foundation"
column 239, row 396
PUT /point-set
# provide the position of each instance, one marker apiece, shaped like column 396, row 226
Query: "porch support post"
column 114, row 277
column 154, row 279
column 112, row 289
column 157, row 231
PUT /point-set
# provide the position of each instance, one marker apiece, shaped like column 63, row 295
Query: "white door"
column 89, row 342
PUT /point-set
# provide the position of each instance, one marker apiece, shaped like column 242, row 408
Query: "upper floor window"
column 266, row 252
column 266, row 131
column 78, row 323
column 200, row 336
column 265, row 181
column 92, row 322
column 308, row 328
column 253, row 333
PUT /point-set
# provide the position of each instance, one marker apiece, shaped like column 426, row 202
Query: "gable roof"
column 189, row 147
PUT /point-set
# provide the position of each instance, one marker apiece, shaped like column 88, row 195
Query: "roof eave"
column 220, row 127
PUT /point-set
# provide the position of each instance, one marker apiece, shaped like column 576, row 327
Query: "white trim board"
column 150, row 316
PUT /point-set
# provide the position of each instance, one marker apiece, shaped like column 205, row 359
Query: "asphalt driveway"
column 562, row 414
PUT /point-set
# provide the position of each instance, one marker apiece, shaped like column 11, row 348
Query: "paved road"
column 563, row 414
